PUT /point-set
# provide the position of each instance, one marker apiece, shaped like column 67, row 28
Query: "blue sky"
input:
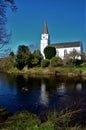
column 65, row 20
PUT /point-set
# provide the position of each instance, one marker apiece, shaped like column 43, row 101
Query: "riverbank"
column 69, row 72
column 26, row 121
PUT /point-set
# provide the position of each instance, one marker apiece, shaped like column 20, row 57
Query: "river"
column 40, row 94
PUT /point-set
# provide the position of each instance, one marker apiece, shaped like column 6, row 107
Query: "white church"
column 61, row 48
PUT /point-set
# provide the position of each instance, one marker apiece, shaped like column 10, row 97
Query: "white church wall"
column 44, row 43
column 60, row 51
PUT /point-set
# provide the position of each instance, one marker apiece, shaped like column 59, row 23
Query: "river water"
column 40, row 94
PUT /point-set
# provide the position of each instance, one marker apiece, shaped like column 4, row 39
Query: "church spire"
column 45, row 31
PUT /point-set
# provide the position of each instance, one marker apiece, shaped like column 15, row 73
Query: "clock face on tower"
column 44, row 37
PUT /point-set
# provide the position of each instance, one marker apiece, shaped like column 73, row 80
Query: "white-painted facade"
column 61, row 52
column 44, row 43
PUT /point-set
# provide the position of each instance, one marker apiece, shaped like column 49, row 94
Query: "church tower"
column 44, row 39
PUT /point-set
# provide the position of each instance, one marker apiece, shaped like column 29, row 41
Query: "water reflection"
column 79, row 86
column 34, row 94
column 25, row 89
column 61, row 89
column 44, row 95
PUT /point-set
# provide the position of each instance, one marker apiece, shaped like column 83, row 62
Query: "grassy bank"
column 54, row 121
column 55, row 71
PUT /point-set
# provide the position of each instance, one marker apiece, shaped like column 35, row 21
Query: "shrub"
column 45, row 63
column 56, row 61
column 78, row 62
column 7, row 63
column 83, row 64
column 49, row 52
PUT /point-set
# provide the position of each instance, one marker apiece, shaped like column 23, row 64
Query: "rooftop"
column 66, row 44
column 45, row 31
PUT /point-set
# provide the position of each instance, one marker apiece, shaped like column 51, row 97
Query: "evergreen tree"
column 37, row 57
column 23, row 57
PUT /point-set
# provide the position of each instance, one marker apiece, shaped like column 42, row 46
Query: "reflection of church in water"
column 46, row 98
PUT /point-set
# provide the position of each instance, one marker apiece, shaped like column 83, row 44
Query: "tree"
column 4, row 36
column 73, row 58
column 67, row 60
column 23, row 57
column 12, row 54
column 49, row 52
column 74, row 54
column 83, row 56
column 7, row 63
column 37, row 57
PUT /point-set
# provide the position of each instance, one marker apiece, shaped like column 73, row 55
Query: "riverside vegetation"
column 33, row 63
column 26, row 121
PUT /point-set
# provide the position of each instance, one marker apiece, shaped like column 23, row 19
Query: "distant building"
column 61, row 48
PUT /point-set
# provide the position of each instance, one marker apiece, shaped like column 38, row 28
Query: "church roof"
column 66, row 44
column 45, row 31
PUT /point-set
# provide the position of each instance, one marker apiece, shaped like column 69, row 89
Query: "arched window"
column 65, row 52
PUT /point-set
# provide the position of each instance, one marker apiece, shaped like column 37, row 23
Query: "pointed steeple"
column 45, row 31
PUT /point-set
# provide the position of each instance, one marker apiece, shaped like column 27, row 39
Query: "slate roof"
column 45, row 31
column 66, row 44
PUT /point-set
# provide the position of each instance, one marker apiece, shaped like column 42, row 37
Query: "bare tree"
column 74, row 54
column 73, row 58
column 4, row 35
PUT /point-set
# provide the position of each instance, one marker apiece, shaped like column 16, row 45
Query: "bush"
column 49, row 52
column 83, row 64
column 7, row 63
column 78, row 62
column 56, row 61
column 45, row 63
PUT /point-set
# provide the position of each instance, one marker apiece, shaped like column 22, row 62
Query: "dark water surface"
column 40, row 94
